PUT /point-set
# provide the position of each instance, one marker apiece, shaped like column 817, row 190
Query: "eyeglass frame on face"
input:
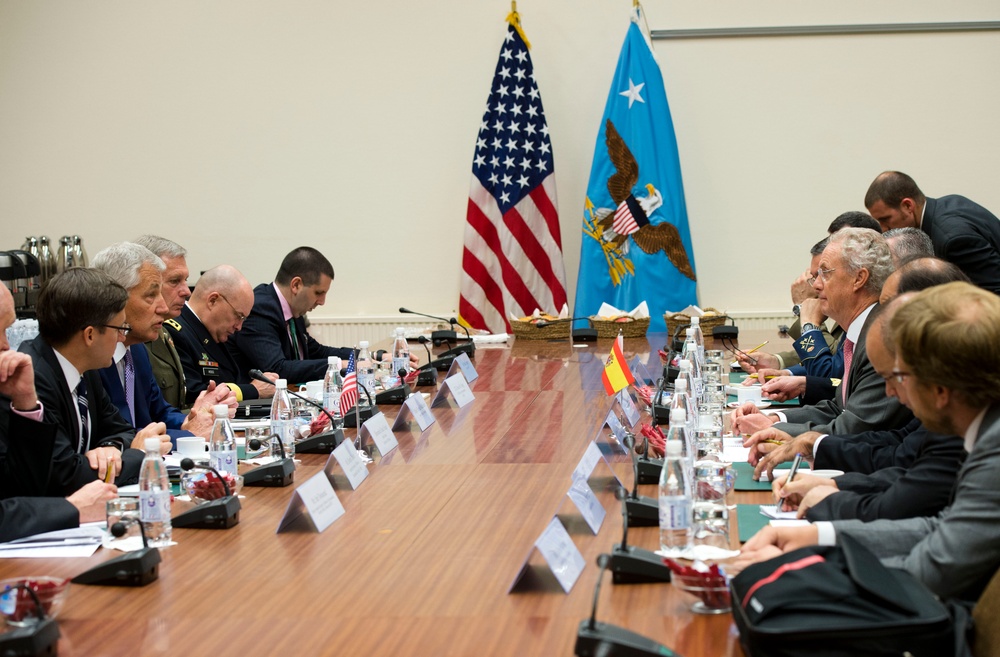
column 239, row 316
column 823, row 274
column 899, row 375
column 123, row 330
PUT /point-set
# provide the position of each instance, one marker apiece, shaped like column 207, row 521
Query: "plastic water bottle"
column 691, row 353
column 154, row 495
column 675, row 496
column 400, row 353
column 282, row 418
column 222, row 446
column 682, row 400
column 366, row 373
column 332, row 383
column 699, row 339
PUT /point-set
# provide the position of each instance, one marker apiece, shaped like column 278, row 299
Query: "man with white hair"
column 129, row 380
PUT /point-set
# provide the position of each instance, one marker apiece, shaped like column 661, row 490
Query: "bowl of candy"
column 204, row 486
column 708, row 583
column 17, row 598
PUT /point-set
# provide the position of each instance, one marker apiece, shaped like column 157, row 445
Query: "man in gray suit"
column 948, row 364
column 851, row 272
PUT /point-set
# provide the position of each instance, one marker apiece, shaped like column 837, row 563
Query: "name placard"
column 628, row 405
column 587, row 503
column 378, row 428
column 459, row 389
column 417, row 408
column 350, row 462
column 314, row 499
column 591, row 457
column 464, row 364
column 560, row 554
column 617, row 430
column 640, row 372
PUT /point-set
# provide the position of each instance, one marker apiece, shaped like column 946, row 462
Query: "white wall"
column 243, row 128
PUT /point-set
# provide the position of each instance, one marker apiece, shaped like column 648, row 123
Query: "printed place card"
column 350, row 462
column 416, row 407
column 561, row 554
column 588, row 462
column 378, row 428
column 587, row 503
column 459, row 389
column 468, row 369
column 640, row 372
column 628, row 405
column 617, row 430
column 316, row 499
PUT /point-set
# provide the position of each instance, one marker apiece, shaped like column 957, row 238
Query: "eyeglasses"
column 824, row 274
column 240, row 316
column 122, row 330
column 899, row 375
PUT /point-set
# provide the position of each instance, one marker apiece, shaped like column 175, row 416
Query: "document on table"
column 771, row 511
column 65, row 543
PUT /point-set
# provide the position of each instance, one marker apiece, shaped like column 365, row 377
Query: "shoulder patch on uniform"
column 173, row 323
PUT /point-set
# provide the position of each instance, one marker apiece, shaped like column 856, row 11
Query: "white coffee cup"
column 191, row 446
column 314, row 389
column 748, row 394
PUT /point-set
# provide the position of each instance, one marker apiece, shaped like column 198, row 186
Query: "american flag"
column 512, row 262
column 349, row 391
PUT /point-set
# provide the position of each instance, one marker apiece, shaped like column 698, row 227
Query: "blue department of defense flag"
column 636, row 243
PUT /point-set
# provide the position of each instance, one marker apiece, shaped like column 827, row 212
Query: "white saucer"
column 760, row 404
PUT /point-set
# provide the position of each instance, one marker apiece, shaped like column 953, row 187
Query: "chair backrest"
column 986, row 619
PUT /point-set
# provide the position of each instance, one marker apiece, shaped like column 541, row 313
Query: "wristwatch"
column 795, row 310
column 808, row 327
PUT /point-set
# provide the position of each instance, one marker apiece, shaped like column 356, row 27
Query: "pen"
column 109, row 473
column 757, row 347
column 791, row 474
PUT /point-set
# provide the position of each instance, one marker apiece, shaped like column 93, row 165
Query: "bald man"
column 217, row 308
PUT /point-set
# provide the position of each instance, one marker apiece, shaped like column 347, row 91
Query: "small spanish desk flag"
column 616, row 373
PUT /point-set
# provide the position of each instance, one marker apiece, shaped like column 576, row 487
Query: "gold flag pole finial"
column 514, row 19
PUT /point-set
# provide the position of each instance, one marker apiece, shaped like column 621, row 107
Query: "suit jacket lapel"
column 49, row 356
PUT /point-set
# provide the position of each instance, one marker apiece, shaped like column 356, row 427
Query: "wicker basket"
column 674, row 320
column 631, row 328
column 528, row 331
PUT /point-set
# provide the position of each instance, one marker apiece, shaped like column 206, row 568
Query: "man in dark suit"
column 26, row 444
column 963, row 232
column 217, row 309
column 274, row 336
column 81, row 318
column 166, row 362
column 129, row 380
column 852, row 270
column 948, row 367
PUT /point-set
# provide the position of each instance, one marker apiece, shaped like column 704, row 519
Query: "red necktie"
column 848, row 355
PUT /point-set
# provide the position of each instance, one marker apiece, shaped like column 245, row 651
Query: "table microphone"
column 437, row 336
column 634, row 565
column 580, row 334
column 640, row 510
column 441, row 364
column 427, row 376
column 276, row 474
column 321, row 443
column 137, row 568
column 221, row 513
column 40, row 637
column 594, row 639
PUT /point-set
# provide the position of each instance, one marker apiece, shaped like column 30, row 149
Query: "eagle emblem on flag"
column 630, row 220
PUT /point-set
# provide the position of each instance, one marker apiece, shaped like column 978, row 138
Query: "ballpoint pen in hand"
column 791, row 475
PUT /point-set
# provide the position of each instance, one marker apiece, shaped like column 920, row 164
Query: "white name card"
column 464, row 363
column 378, row 428
column 316, row 499
column 417, row 408
column 459, row 389
column 628, row 405
column 587, row 503
column 561, row 554
column 640, row 372
column 617, row 430
column 589, row 461
column 350, row 462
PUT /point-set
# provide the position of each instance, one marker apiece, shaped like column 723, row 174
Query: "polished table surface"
column 423, row 559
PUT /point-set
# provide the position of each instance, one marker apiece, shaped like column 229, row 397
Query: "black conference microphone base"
column 649, row 470
column 36, row 639
column 439, row 337
column 222, row 513
column 642, row 511
column 321, row 443
column 467, row 348
column 273, row 475
column 585, row 335
column 427, row 377
column 393, row 396
column 137, row 568
column 614, row 641
column 634, row 565
column 365, row 412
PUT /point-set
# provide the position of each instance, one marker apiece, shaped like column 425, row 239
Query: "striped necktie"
column 848, row 357
column 84, row 406
column 130, row 383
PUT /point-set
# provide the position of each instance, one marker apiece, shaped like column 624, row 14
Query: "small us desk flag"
column 636, row 243
column 349, row 389
column 512, row 262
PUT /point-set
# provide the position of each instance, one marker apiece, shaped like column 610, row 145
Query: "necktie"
column 848, row 356
column 130, row 384
column 295, row 339
column 84, row 406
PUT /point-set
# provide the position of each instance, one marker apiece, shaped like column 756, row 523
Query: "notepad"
column 771, row 511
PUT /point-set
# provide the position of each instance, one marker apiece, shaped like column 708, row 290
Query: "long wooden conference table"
column 423, row 560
